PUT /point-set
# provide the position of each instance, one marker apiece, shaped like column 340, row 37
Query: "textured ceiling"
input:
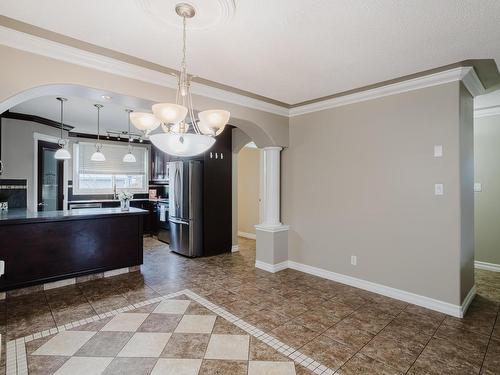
column 287, row 50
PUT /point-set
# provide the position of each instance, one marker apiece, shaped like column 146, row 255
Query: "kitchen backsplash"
column 14, row 192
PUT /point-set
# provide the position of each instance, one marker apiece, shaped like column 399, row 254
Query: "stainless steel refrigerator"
column 185, row 211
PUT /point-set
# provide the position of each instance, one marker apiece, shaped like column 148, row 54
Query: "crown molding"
column 486, row 112
column 40, row 46
column 465, row 74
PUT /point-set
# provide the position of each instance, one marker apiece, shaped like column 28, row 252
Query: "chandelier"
column 182, row 134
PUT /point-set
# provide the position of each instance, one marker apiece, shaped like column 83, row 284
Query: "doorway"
column 249, row 190
column 50, row 193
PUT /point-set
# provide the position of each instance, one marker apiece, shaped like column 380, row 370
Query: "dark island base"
column 44, row 250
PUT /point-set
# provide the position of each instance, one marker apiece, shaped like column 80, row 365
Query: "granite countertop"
column 26, row 216
column 117, row 200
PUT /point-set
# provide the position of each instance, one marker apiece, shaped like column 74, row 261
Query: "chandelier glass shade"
column 144, row 121
column 184, row 145
column 183, row 134
column 62, row 153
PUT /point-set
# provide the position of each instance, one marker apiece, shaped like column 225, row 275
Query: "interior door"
column 50, row 178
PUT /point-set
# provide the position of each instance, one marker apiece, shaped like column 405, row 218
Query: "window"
column 91, row 177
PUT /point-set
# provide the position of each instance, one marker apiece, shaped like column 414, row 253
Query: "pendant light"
column 98, row 155
column 62, row 153
column 129, row 157
column 181, row 136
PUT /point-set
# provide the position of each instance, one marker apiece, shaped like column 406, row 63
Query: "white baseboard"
column 271, row 267
column 487, row 266
column 235, row 248
column 247, row 235
column 427, row 302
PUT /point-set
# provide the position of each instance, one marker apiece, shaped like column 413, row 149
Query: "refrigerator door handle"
column 178, row 221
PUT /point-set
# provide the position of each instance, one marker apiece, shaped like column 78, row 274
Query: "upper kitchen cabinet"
column 159, row 160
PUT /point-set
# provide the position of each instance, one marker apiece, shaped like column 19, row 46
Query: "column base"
column 272, row 247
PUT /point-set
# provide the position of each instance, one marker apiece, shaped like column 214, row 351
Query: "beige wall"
column 17, row 75
column 359, row 180
column 487, row 172
column 248, row 189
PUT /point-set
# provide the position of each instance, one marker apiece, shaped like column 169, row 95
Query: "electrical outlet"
column 2, row 267
column 354, row 260
column 478, row 187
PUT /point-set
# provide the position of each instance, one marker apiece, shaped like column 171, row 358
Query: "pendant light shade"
column 98, row 155
column 183, row 145
column 129, row 157
column 62, row 153
column 213, row 121
column 144, row 121
column 170, row 113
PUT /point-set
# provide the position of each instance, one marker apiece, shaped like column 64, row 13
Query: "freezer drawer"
column 182, row 239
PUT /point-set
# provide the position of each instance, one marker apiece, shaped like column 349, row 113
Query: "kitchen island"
column 44, row 247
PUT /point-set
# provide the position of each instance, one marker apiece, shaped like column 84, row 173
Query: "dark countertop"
column 18, row 216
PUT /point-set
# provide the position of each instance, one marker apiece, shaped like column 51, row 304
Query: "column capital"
column 272, row 148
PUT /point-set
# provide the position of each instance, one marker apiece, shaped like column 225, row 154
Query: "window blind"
column 114, row 160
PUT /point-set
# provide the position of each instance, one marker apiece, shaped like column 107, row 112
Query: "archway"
column 272, row 236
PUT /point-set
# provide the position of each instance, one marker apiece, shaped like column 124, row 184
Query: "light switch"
column 2, row 267
column 478, row 187
column 438, row 151
column 438, row 189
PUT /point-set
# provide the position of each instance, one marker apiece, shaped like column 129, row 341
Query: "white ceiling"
column 288, row 50
column 78, row 112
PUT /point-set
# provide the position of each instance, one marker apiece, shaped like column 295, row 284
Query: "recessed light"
column 106, row 97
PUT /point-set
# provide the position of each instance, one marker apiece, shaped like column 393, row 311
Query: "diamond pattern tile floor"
column 351, row 330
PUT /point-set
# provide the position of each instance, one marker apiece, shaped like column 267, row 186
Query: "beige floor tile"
column 125, row 322
column 145, row 344
column 229, row 347
column 270, row 368
column 176, row 366
column 172, row 306
column 65, row 343
column 196, row 324
column 84, row 366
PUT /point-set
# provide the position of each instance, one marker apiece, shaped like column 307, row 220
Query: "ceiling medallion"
column 209, row 13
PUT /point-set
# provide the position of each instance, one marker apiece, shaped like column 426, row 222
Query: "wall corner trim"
column 467, row 301
column 273, row 268
column 487, row 266
column 250, row 236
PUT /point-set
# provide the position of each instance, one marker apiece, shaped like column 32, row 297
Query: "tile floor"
column 349, row 330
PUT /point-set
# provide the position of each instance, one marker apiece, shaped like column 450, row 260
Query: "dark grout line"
column 489, row 341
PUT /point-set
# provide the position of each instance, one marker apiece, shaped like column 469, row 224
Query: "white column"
column 271, row 186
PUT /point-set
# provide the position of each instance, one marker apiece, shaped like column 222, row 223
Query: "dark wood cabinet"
column 159, row 160
column 217, row 195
